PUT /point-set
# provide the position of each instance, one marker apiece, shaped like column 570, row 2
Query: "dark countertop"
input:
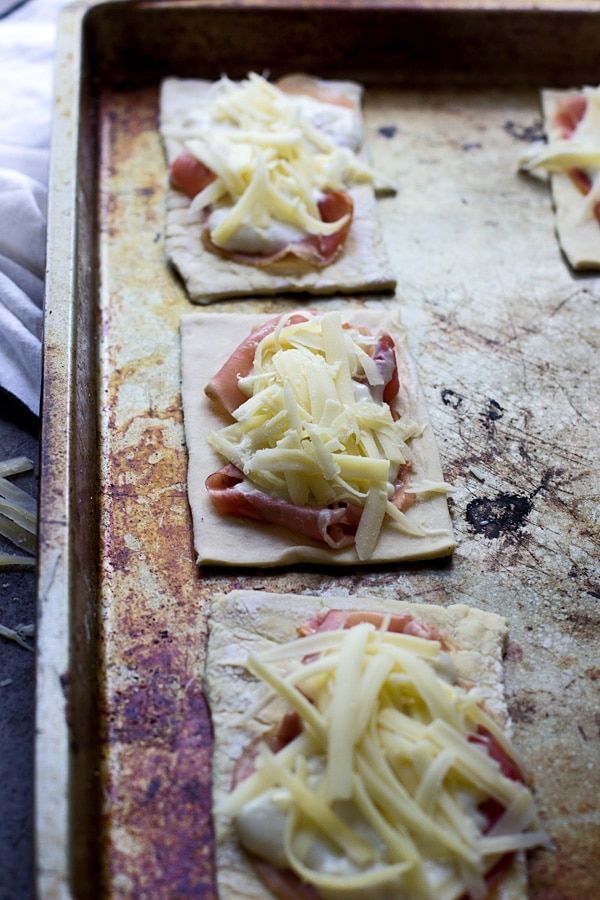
column 18, row 437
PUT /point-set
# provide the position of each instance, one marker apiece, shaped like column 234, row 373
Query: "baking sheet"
column 505, row 341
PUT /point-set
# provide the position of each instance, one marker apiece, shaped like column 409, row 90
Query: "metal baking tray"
column 503, row 334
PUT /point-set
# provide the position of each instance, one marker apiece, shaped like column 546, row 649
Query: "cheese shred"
column 18, row 515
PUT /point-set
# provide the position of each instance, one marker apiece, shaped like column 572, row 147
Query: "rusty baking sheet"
column 505, row 337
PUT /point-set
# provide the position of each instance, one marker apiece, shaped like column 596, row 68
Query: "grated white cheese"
column 379, row 794
column 274, row 156
column 306, row 435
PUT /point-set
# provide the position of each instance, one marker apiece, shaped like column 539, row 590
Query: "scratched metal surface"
column 506, row 341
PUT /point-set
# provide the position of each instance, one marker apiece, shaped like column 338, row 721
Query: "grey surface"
column 18, row 437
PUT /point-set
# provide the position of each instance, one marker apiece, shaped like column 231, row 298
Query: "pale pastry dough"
column 207, row 341
column 578, row 235
column 250, row 621
column 363, row 265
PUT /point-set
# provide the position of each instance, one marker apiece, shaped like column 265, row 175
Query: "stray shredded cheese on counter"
column 380, row 792
column 312, row 434
column 18, row 634
column 18, row 515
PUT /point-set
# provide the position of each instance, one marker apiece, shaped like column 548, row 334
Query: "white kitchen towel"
column 27, row 35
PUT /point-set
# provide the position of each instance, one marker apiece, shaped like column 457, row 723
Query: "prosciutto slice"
column 569, row 113
column 491, row 808
column 298, row 84
column 384, row 358
column 283, row 883
column 567, row 116
column 399, row 623
column 189, row 175
column 403, row 497
column 508, row 766
column 317, row 249
column 333, row 525
column 224, row 386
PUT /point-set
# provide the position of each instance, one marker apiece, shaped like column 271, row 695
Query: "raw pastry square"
column 250, row 621
column 363, row 265
column 578, row 235
column 207, row 341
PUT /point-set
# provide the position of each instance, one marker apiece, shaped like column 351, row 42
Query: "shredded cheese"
column 314, row 430
column 274, row 156
column 380, row 791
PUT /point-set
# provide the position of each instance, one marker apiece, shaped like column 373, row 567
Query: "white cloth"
column 27, row 35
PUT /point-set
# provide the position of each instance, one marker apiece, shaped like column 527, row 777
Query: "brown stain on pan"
column 158, row 833
column 162, row 730
column 157, row 719
column 157, row 722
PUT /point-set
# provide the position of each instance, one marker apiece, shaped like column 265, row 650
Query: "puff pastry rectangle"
column 207, row 341
column 251, row 621
column 578, row 233
column 363, row 265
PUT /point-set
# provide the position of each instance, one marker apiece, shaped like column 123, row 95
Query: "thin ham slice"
column 333, row 206
column 316, row 249
column 384, row 358
column 190, row 175
column 283, row 883
column 288, row 728
column 333, row 525
column 491, row 808
column 399, row 623
column 508, row 766
column 403, row 497
column 300, row 84
column 581, row 180
column 567, row 116
column 223, row 387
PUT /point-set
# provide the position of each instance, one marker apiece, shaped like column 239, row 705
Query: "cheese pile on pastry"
column 573, row 146
column 571, row 157
column 276, row 166
column 317, row 429
column 268, row 188
column 396, row 783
